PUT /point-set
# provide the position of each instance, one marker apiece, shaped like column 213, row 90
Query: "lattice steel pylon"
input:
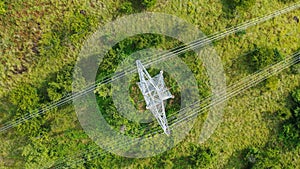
column 155, row 93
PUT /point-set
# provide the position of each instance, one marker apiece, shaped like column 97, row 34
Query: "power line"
column 233, row 91
column 159, row 57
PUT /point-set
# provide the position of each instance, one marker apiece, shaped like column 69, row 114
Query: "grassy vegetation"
column 39, row 44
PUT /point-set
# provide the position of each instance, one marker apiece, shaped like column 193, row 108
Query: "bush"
column 268, row 159
column 261, row 158
column 284, row 113
column 287, row 1
column 296, row 96
column 290, row 132
column 126, row 7
column 61, row 84
column 296, row 114
column 25, row 98
column 295, row 69
column 2, row 7
column 148, row 3
column 289, row 135
column 272, row 83
column 251, row 155
column 243, row 4
column 137, row 5
column 263, row 57
column 200, row 157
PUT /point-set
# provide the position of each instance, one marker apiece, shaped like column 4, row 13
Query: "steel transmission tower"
column 155, row 92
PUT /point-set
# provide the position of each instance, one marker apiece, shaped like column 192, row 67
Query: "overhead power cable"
column 157, row 58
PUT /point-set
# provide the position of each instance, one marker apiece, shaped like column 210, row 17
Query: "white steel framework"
column 155, row 92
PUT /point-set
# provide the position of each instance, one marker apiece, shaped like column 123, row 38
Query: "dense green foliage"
column 26, row 101
column 262, row 57
column 284, row 113
column 125, row 48
column 233, row 4
column 132, row 6
column 114, row 57
column 39, row 44
column 25, row 98
column 290, row 132
column 296, row 96
column 29, row 100
column 287, row 1
column 126, row 8
column 288, row 139
column 296, row 69
column 258, row 158
column 61, row 84
column 201, row 157
column 3, row 7
column 148, row 3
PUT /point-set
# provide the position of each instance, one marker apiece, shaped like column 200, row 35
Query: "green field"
column 40, row 43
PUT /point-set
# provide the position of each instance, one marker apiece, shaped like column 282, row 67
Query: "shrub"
column 287, row 1
column 148, row 3
column 243, row 4
column 296, row 114
column 200, row 156
column 241, row 33
column 140, row 5
column 263, row 57
column 296, row 96
column 296, row 119
column 25, row 98
column 290, row 132
column 61, row 84
column 268, row 159
column 272, row 83
column 284, row 113
column 2, row 7
column 126, row 7
column 295, row 69
column 289, row 135
column 251, row 155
